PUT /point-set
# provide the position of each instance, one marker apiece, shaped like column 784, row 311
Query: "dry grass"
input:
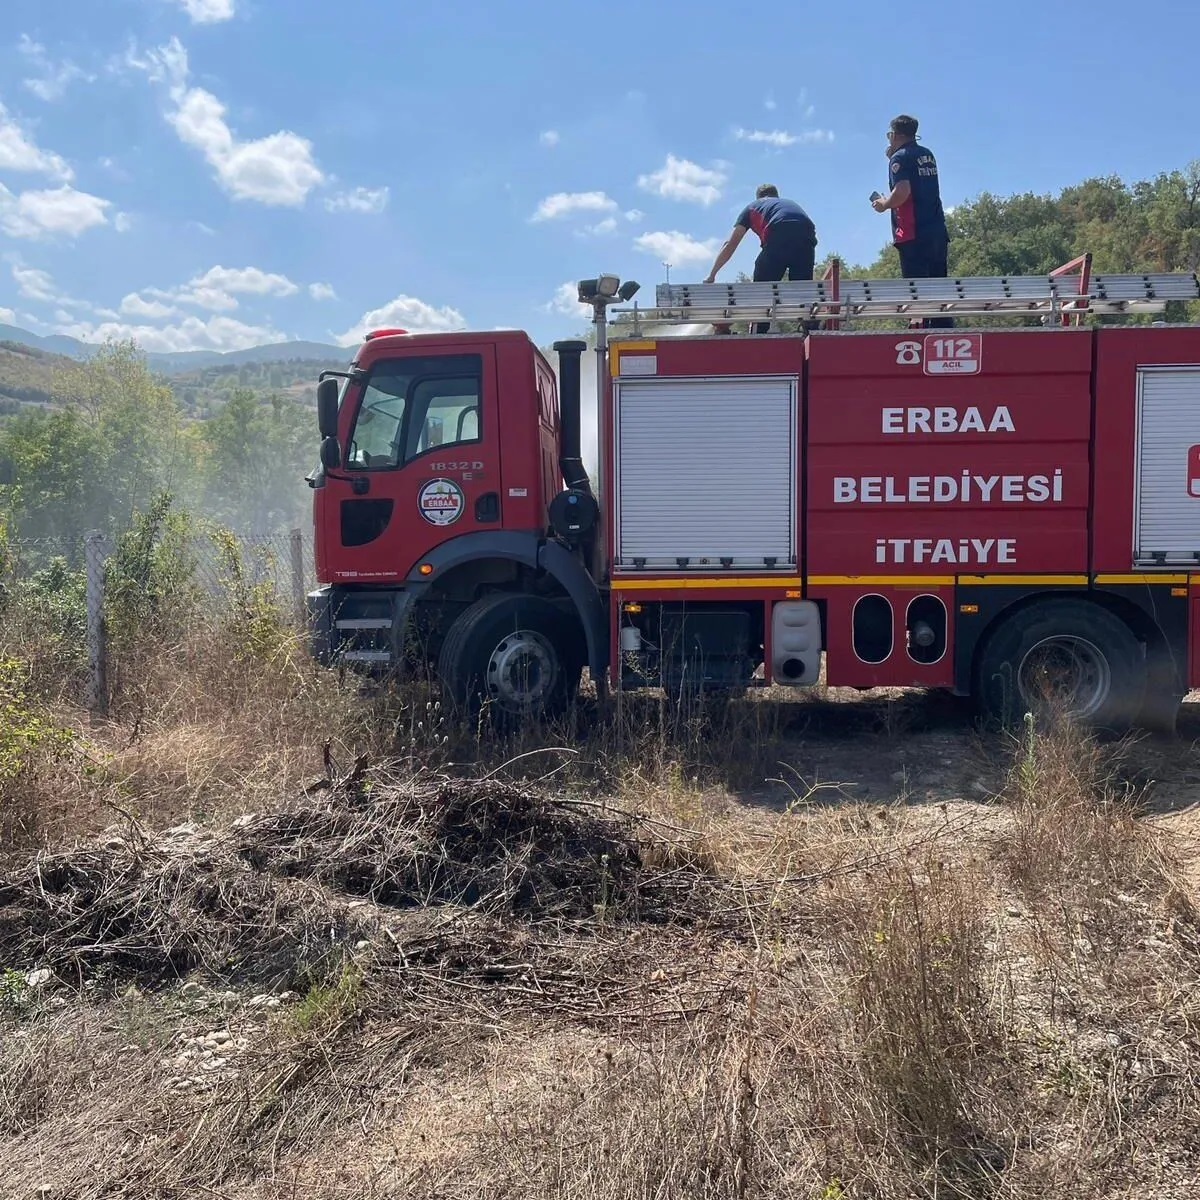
column 603, row 961
column 532, row 996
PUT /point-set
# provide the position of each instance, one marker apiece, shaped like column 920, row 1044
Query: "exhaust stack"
column 571, row 459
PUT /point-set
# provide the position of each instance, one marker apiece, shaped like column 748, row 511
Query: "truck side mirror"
column 331, row 453
column 327, row 407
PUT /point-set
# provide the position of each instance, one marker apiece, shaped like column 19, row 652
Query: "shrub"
column 28, row 741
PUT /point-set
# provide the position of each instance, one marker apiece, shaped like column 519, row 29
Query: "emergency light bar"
column 847, row 299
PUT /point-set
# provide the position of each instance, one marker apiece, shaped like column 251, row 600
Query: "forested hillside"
column 204, row 391
column 26, row 376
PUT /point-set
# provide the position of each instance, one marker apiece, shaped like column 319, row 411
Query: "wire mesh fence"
column 279, row 567
column 281, row 562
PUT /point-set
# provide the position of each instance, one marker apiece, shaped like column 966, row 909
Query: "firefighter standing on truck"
column 919, row 230
column 786, row 233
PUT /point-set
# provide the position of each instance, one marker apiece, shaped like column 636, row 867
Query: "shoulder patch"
column 895, row 167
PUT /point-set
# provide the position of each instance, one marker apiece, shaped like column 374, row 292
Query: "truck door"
column 420, row 461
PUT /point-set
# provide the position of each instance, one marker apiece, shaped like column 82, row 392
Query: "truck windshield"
column 412, row 405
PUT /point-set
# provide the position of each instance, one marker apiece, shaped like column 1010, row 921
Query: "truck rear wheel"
column 518, row 654
column 1062, row 657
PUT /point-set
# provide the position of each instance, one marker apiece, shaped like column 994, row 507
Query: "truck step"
column 367, row 655
column 364, row 623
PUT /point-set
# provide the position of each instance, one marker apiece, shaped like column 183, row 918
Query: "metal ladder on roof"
column 1064, row 296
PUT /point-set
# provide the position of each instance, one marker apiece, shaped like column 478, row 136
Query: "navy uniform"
column 919, row 224
column 919, row 230
column 788, row 239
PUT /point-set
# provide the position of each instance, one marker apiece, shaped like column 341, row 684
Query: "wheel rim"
column 522, row 672
column 1067, row 673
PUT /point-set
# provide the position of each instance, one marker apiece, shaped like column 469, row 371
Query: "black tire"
column 1164, row 696
column 518, row 654
column 1062, row 657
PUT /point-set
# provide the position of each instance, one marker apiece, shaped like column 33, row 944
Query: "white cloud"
column 562, row 204
column 404, row 312
column 634, row 214
column 52, row 79
column 122, row 222
column 600, row 229
column 214, row 299
column 681, row 179
column 776, row 137
column 7, row 316
column 134, row 305
column 277, row 170
column 810, row 111
column 38, row 285
column 678, row 249
column 218, row 288
column 549, row 137
column 769, row 104
column 359, row 200
column 58, row 211
column 247, row 280
column 207, row 12
column 566, row 302
column 321, row 291
column 192, row 333
column 19, row 152
column 34, row 284
column 781, row 138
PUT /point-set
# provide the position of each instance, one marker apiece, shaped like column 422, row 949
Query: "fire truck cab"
column 1010, row 513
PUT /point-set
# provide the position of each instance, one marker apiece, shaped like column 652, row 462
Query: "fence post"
column 296, row 538
column 95, row 553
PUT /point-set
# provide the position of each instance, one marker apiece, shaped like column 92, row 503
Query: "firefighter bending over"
column 786, row 234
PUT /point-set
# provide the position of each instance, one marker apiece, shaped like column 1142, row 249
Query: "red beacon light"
column 383, row 333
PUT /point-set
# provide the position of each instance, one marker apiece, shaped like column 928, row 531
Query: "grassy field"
column 263, row 935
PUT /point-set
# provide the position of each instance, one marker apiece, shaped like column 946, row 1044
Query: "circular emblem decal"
column 441, row 502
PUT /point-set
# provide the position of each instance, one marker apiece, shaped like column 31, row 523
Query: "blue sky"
column 212, row 174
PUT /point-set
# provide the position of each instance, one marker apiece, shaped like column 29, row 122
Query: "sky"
column 217, row 174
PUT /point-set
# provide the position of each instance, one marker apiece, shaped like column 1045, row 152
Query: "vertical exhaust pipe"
column 570, row 420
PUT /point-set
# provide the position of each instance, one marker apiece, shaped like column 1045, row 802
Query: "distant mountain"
column 56, row 344
column 185, row 361
column 27, row 375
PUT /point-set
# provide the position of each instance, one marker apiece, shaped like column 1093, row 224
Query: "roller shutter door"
column 706, row 471
column 1168, row 476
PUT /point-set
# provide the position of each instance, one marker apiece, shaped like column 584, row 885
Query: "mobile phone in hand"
column 875, row 196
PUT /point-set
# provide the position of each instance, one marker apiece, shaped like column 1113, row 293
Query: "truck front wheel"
column 518, row 654
column 1062, row 657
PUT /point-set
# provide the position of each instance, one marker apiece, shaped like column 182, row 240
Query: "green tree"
column 256, row 451
column 113, row 441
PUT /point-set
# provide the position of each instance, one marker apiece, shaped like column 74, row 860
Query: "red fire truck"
column 1010, row 513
